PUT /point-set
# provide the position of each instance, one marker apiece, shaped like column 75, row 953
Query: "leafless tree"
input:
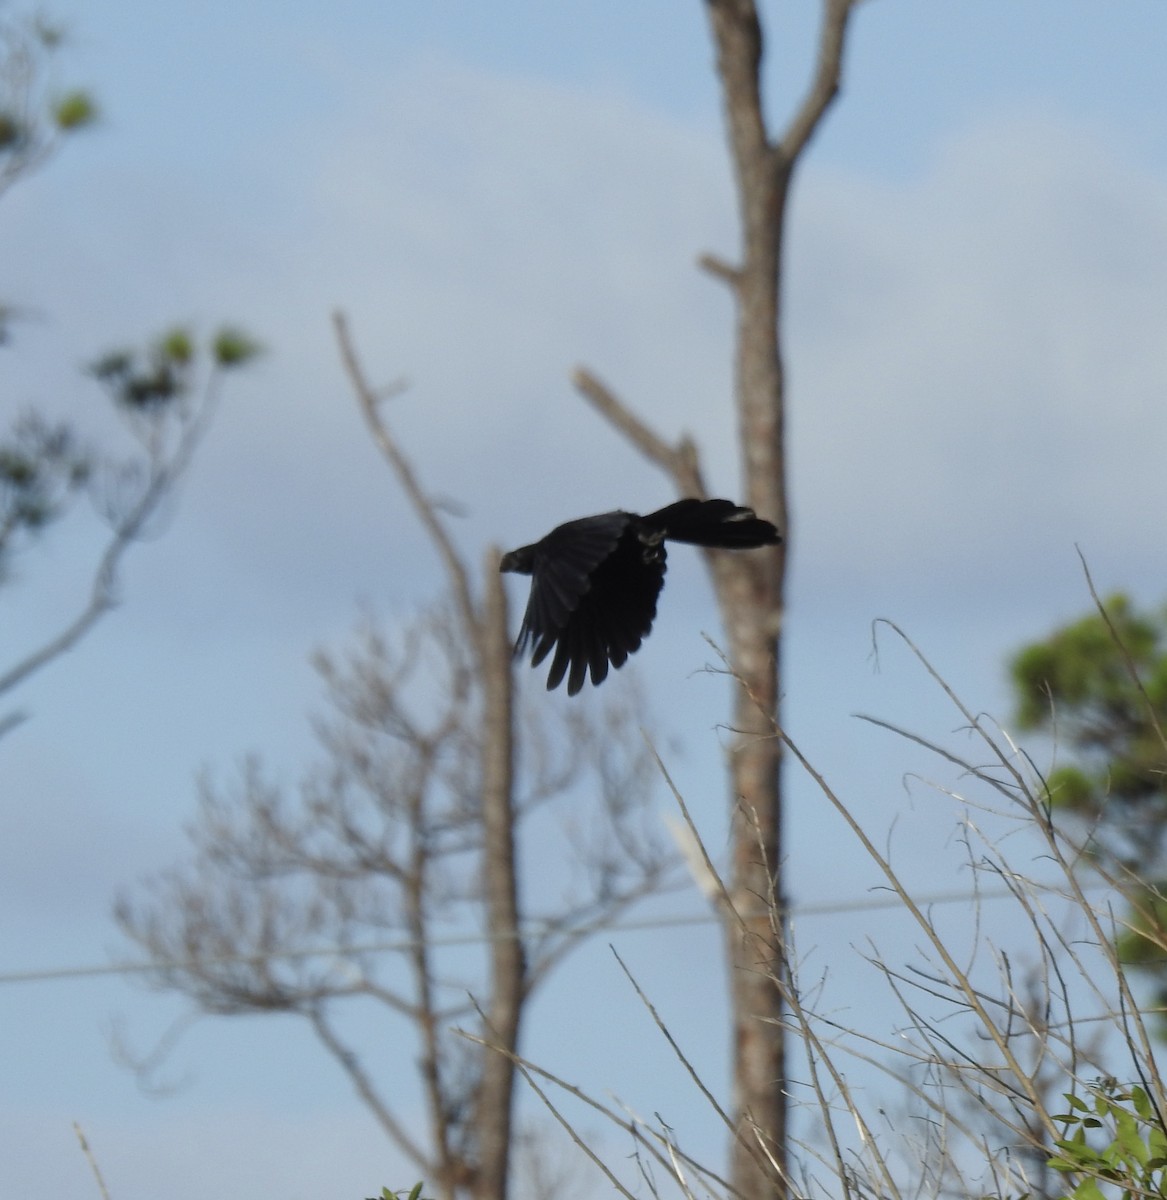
column 750, row 591
column 751, row 588
column 406, row 839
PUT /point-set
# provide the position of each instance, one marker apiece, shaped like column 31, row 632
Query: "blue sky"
column 975, row 300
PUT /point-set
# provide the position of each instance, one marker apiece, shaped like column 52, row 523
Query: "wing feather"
column 561, row 574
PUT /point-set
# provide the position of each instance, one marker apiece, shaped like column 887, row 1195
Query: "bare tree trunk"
column 751, row 592
column 751, row 589
column 507, row 966
column 484, row 1172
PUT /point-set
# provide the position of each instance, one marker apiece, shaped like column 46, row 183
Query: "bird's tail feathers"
column 715, row 523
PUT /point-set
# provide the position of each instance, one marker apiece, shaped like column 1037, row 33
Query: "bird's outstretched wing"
column 613, row 616
column 562, row 568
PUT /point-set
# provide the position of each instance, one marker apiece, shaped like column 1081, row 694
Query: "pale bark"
column 751, row 587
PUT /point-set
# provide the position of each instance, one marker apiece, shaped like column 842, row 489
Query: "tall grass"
column 1013, row 1070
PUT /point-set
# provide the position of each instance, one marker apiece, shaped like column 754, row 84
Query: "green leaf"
column 1088, row 1189
column 177, row 346
column 1127, row 1137
column 1157, row 1141
column 74, row 110
column 232, row 348
column 1075, row 1151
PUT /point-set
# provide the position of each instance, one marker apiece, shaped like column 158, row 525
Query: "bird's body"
column 595, row 581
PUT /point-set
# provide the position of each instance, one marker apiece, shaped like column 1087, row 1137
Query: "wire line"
column 530, row 929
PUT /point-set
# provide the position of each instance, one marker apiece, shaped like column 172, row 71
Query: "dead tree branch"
column 750, row 590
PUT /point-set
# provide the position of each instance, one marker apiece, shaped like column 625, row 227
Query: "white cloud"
column 973, row 353
column 977, row 360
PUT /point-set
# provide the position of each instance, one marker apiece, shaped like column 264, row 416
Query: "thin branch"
column 825, row 86
column 658, row 1021
column 720, row 897
column 679, row 461
column 364, row 1085
column 103, row 591
column 713, row 265
column 1132, row 670
column 10, row 721
column 371, row 403
column 91, row 1161
column 635, row 1128
column 567, row 1126
column 925, row 925
column 1054, row 844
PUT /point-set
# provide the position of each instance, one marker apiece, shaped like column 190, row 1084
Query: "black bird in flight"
column 595, row 581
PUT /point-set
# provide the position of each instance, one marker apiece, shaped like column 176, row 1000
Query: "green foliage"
column 1113, row 1143
column 1144, row 942
column 163, row 374
column 74, row 111
column 1098, row 686
column 33, row 117
column 1083, row 666
column 40, row 466
column 1101, row 690
column 233, row 347
column 414, row 1193
column 143, row 381
column 167, row 393
column 176, row 347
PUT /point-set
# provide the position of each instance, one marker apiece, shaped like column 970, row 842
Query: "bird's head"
column 520, row 561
